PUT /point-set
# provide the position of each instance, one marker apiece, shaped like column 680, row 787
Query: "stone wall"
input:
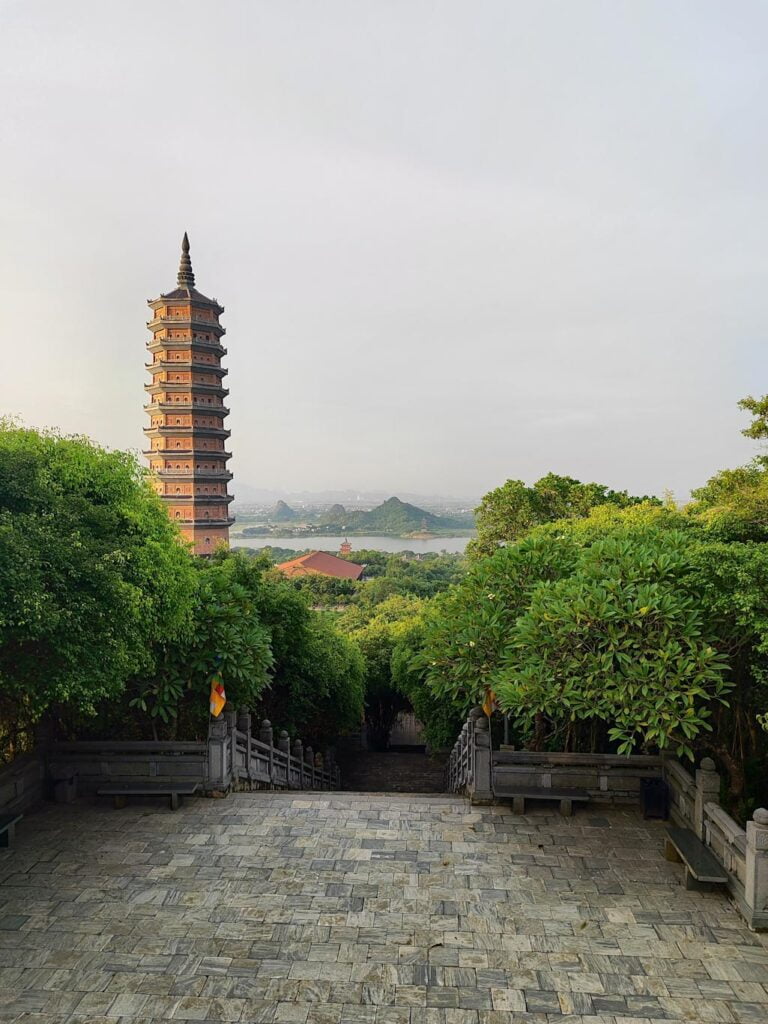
column 22, row 784
column 608, row 778
column 98, row 763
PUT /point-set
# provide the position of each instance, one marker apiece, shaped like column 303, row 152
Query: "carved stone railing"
column 468, row 770
column 239, row 759
column 231, row 758
column 743, row 853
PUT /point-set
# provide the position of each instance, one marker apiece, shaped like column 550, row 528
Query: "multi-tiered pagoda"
column 186, row 408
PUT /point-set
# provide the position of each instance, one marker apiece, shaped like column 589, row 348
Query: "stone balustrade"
column 473, row 768
column 743, row 853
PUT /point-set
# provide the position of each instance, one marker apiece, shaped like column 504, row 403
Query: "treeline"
column 600, row 621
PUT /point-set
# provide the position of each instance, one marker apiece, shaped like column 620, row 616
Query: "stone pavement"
column 362, row 909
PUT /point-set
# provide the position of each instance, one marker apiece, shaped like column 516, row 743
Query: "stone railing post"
column 244, row 726
column 462, row 768
column 284, row 746
column 309, row 758
column 707, row 791
column 319, row 770
column 756, row 882
column 229, row 715
column 218, row 771
column 265, row 735
column 298, row 753
column 481, row 791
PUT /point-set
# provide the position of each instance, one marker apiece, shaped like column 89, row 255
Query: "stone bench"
column 519, row 794
column 8, row 828
column 175, row 790
column 702, row 869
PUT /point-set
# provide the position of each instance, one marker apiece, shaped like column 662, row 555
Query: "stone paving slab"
column 341, row 908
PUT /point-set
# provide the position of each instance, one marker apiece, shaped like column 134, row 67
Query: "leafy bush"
column 93, row 576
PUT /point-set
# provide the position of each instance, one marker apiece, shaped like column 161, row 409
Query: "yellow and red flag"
column 218, row 696
column 489, row 703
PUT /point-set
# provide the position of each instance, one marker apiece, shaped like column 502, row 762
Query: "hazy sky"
column 456, row 242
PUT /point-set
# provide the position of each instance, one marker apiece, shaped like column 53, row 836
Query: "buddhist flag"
column 489, row 703
column 218, row 696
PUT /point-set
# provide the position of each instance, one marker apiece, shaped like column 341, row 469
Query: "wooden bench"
column 519, row 794
column 8, row 828
column 175, row 790
column 702, row 869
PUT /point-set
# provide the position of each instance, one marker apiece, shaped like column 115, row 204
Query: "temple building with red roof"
column 321, row 563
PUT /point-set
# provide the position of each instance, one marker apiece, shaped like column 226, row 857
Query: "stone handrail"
column 743, row 853
column 468, row 770
column 237, row 758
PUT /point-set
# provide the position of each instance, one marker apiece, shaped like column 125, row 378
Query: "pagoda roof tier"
column 196, row 521
column 222, row 475
column 159, row 344
column 197, row 499
column 165, row 364
column 185, row 294
column 215, row 410
column 189, row 453
column 180, row 431
column 186, row 385
column 159, row 322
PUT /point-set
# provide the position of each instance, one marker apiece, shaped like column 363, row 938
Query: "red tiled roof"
column 321, row 563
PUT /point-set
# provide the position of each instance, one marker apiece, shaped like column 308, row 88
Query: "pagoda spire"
column 186, row 276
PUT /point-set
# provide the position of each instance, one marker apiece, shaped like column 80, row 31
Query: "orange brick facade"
column 186, row 431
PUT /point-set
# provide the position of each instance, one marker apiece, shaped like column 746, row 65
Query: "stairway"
column 394, row 771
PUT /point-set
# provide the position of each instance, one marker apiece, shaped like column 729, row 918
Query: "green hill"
column 283, row 513
column 398, row 518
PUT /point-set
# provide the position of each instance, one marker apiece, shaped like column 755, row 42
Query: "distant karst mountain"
column 394, row 517
column 335, row 514
column 283, row 513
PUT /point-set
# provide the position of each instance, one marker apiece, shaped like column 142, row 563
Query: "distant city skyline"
column 456, row 243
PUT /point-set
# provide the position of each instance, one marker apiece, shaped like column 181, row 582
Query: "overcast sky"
column 456, row 242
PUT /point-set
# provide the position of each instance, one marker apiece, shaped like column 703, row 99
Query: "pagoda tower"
column 186, row 408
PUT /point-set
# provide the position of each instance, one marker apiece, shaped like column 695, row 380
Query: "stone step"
column 393, row 772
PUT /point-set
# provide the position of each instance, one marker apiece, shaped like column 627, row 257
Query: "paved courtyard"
column 362, row 909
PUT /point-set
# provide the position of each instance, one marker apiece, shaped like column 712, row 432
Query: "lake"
column 455, row 545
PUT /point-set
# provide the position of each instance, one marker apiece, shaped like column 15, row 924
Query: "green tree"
column 93, row 576
column 733, row 504
column 377, row 637
column 509, row 512
column 317, row 676
column 467, row 628
column 225, row 637
column 758, row 428
column 621, row 641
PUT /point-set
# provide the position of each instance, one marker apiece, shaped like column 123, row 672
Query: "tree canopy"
column 512, row 510
column 93, row 575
